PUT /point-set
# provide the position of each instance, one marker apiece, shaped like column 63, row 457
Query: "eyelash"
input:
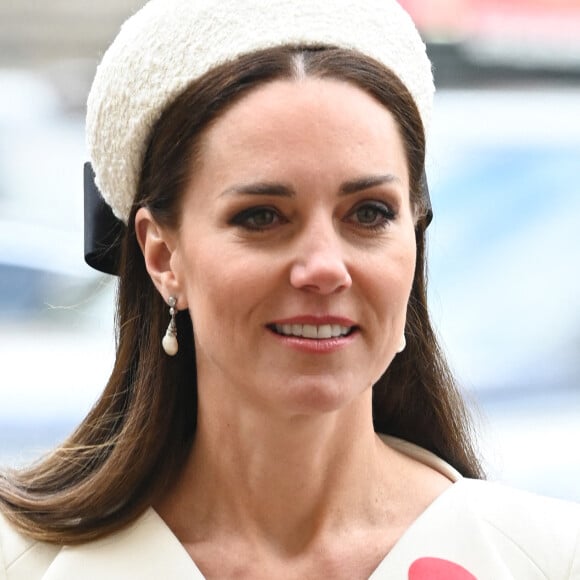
column 384, row 211
column 242, row 219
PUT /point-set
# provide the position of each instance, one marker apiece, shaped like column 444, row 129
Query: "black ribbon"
column 428, row 206
column 103, row 231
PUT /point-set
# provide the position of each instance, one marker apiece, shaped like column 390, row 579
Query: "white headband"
column 169, row 43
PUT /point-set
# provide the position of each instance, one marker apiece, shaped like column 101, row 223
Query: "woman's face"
column 296, row 250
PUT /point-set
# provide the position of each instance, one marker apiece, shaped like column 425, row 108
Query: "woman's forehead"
column 298, row 109
column 310, row 132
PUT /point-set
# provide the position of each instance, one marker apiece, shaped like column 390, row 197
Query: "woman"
column 279, row 406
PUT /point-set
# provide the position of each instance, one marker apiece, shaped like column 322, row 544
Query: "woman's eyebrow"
column 260, row 188
column 366, row 182
column 282, row 190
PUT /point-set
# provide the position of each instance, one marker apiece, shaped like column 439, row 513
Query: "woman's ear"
column 158, row 246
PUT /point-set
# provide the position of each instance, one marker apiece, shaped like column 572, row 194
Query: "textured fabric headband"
column 169, row 43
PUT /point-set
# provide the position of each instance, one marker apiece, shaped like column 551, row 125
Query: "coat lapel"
column 147, row 550
column 452, row 540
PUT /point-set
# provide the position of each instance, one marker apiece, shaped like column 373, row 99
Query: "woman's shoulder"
column 508, row 507
column 22, row 558
column 543, row 529
column 145, row 549
column 484, row 521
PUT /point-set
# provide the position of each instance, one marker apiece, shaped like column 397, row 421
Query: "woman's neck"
column 321, row 496
column 285, row 479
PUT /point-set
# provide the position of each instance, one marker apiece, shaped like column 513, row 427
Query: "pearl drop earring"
column 169, row 341
column 402, row 344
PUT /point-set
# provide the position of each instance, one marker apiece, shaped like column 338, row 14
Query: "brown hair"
column 134, row 442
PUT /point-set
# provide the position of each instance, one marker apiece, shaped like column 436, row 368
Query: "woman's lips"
column 312, row 331
column 315, row 333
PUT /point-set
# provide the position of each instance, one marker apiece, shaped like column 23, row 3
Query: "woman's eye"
column 257, row 218
column 372, row 215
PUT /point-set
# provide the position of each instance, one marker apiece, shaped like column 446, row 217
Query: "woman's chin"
column 316, row 396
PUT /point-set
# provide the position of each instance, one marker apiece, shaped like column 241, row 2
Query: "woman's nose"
column 319, row 264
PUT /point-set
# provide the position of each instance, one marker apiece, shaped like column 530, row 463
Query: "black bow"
column 428, row 206
column 103, row 231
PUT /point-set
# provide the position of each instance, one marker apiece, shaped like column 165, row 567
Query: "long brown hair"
column 134, row 442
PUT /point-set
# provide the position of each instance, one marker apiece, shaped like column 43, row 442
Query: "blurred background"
column 504, row 171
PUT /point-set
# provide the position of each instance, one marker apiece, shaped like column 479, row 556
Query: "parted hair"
column 134, row 442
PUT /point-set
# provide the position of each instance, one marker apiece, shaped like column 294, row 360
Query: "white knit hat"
column 169, row 43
